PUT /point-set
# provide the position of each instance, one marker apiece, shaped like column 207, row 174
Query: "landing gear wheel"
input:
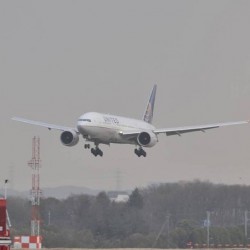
column 140, row 152
column 137, row 152
column 93, row 151
column 96, row 151
column 99, row 152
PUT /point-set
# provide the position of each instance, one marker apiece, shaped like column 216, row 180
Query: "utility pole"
column 208, row 228
column 166, row 222
column 246, row 222
column 49, row 214
column 5, row 189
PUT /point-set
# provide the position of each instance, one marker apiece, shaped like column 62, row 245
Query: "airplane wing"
column 181, row 130
column 43, row 124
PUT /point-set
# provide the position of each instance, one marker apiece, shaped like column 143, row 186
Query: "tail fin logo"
column 148, row 116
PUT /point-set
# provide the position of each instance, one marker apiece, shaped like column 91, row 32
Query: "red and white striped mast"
column 35, row 192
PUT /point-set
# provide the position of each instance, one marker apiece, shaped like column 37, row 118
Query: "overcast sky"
column 60, row 59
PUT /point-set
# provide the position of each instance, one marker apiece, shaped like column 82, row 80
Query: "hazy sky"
column 60, row 59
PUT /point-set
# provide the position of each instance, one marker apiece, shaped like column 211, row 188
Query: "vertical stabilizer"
column 149, row 112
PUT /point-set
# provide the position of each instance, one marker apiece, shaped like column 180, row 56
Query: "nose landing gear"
column 140, row 152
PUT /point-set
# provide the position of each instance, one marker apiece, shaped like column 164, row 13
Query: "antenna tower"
column 118, row 180
column 35, row 192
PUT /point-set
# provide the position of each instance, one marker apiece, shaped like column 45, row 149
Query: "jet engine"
column 147, row 139
column 69, row 138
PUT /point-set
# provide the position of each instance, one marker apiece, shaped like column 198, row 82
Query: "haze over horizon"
column 61, row 59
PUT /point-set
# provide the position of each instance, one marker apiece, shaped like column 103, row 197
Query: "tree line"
column 168, row 215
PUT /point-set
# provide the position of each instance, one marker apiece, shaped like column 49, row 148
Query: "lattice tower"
column 35, row 192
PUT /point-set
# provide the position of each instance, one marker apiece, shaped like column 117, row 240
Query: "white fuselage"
column 105, row 128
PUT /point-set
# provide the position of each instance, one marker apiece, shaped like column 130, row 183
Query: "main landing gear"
column 140, row 152
column 95, row 151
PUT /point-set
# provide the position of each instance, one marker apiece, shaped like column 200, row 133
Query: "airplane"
column 100, row 128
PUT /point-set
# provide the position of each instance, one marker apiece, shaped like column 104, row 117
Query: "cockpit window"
column 84, row 120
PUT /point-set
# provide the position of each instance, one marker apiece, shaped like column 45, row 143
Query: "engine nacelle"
column 69, row 138
column 147, row 139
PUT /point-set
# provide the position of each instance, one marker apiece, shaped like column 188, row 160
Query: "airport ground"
column 134, row 248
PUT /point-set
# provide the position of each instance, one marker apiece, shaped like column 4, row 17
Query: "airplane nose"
column 79, row 126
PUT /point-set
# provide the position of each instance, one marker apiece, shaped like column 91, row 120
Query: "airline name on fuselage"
column 110, row 120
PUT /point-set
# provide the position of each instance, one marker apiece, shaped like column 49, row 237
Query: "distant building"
column 120, row 198
column 5, row 240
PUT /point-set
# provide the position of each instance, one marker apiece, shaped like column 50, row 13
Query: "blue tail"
column 148, row 115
